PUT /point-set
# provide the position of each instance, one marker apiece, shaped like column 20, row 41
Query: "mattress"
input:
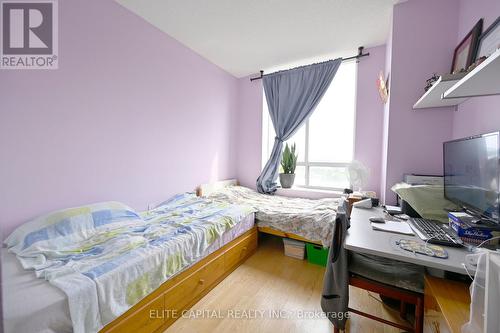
column 308, row 218
column 33, row 305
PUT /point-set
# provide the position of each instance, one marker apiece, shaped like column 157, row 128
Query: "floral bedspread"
column 311, row 219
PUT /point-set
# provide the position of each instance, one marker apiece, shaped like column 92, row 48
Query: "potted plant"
column 288, row 163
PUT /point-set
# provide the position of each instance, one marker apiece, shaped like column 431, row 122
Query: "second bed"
column 309, row 220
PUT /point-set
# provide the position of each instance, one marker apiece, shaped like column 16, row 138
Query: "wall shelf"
column 432, row 97
column 483, row 80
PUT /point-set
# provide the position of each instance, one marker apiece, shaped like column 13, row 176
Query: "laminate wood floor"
column 274, row 293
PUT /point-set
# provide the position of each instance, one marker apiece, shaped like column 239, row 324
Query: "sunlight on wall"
column 214, row 168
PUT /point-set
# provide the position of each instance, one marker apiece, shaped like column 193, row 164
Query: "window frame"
column 266, row 151
column 307, row 164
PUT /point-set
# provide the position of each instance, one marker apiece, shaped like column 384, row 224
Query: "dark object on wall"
column 465, row 52
column 430, row 82
column 489, row 41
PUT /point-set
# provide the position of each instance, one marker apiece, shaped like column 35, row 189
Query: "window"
column 325, row 143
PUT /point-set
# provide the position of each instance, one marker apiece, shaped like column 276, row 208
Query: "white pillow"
column 72, row 224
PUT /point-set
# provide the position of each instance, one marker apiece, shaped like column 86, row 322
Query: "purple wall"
column 249, row 129
column 130, row 115
column 133, row 115
column 423, row 40
column 479, row 114
column 369, row 114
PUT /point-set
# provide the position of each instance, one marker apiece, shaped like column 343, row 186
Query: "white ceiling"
column 244, row 36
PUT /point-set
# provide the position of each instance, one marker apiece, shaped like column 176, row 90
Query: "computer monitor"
column 471, row 174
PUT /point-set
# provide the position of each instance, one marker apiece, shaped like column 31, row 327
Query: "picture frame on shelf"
column 489, row 41
column 465, row 53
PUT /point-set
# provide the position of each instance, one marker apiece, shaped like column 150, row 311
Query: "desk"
column 450, row 298
column 363, row 239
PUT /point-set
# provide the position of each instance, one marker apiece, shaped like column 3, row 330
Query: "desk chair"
column 389, row 278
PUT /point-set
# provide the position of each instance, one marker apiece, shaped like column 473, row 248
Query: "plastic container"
column 485, row 294
column 317, row 254
column 294, row 249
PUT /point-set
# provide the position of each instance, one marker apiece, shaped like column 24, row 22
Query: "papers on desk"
column 393, row 210
column 397, row 227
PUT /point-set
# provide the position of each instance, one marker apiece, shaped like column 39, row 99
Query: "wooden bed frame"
column 160, row 309
column 279, row 233
column 206, row 189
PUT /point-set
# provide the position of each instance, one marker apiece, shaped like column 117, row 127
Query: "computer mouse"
column 377, row 219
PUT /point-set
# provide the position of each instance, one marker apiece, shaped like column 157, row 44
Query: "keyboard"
column 435, row 232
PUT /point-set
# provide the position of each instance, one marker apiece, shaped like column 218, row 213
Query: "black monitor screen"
column 471, row 173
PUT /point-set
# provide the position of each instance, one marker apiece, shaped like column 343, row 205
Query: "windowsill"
column 308, row 193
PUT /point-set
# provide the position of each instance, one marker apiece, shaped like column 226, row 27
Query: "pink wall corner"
column 130, row 115
column 423, row 39
column 478, row 114
column 369, row 115
column 249, row 128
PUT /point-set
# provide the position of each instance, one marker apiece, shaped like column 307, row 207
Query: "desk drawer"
column 181, row 295
column 240, row 251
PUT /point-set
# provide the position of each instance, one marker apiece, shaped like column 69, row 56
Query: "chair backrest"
column 338, row 236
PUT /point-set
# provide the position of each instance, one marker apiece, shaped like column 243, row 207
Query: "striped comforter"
column 107, row 258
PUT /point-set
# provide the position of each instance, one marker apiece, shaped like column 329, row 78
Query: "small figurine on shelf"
column 477, row 63
column 430, row 82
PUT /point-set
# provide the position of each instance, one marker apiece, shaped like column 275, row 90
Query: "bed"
column 233, row 238
column 302, row 219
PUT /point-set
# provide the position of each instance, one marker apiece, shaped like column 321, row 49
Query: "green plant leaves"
column 289, row 159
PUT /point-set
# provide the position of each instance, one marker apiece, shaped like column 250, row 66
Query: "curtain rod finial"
column 258, row 77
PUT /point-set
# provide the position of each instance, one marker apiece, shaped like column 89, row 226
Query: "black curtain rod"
column 359, row 55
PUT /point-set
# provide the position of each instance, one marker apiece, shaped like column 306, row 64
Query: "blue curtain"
column 291, row 98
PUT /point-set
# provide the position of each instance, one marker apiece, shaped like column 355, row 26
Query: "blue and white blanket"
column 106, row 257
